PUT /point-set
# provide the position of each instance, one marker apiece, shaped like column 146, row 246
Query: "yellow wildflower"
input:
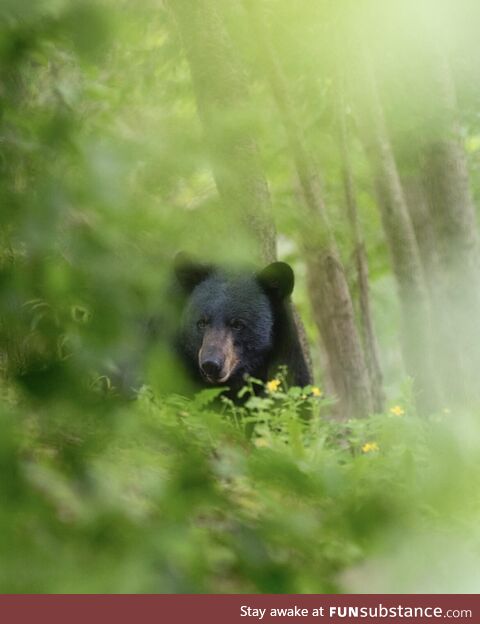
column 261, row 443
column 316, row 392
column 273, row 385
column 368, row 447
column 397, row 410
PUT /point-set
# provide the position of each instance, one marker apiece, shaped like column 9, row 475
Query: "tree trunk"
column 450, row 364
column 328, row 288
column 453, row 212
column 405, row 256
column 222, row 101
column 361, row 264
column 422, row 222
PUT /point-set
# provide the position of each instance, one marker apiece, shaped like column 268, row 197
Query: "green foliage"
column 168, row 495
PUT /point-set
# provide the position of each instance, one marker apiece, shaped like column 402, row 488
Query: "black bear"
column 237, row 323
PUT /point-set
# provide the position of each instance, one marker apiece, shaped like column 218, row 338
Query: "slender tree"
column 436, row 180
column 359, row 252
column 447, row 185
column 328, row 287
column 418, row 208
column 449, row 361
column 400, row 235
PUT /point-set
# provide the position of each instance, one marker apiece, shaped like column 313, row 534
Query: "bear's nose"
column 212, row 367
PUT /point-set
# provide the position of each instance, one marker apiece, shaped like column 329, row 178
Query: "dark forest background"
column 341, row 137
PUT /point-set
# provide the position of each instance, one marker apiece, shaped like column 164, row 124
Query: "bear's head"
column 227, row 326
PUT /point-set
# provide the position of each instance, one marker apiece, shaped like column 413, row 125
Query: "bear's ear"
column 277, row 279
column 189, row 272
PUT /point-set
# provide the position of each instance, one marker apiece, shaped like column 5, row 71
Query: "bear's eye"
column 237, row 324
column 202, row 323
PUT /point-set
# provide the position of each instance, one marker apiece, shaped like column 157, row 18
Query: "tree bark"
column 446, row 180
column 328, row 288
column 222, row 98
column 404, row 253
column 360, row 256
column 449, row 360
column 422, row 222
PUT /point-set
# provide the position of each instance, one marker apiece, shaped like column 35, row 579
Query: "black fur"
column 266, row 337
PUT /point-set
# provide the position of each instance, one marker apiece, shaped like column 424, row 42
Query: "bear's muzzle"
column 217, row 358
